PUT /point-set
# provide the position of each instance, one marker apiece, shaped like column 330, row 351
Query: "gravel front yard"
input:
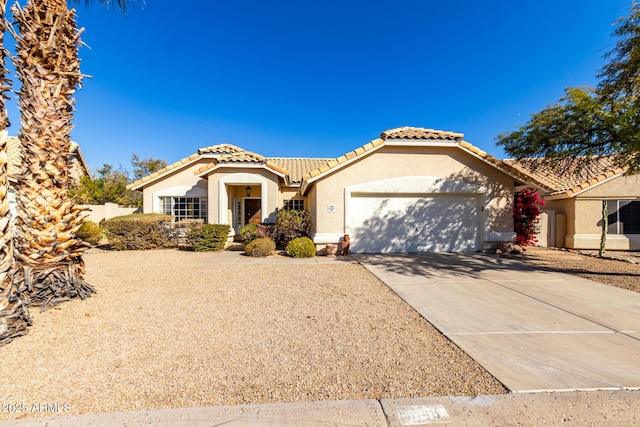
column 172, row 329
column 614, row 272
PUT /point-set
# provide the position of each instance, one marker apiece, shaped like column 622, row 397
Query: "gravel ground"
column 622, row 271
column 172, row 329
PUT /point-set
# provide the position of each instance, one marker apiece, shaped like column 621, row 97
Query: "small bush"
column 301, row 247
column 208, row 237
column 90, row 232
column 292, row 224
column 139, row 231
column 251, row 232
column 260, row 247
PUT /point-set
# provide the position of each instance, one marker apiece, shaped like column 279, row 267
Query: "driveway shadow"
column 431, row 264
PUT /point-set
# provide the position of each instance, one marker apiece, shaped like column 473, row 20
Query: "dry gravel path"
column 172, row 329
column 615, row 272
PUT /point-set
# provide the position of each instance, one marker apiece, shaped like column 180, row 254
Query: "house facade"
column 574, row 203
column 410, row 190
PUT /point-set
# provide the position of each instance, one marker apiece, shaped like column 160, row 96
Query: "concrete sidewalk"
column 619, row 408
column 534, row 330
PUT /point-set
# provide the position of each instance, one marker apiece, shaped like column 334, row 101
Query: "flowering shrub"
column 525, row 216
column 250, row 232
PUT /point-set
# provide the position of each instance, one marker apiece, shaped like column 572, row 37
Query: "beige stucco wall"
column 182, row 182
column 584, row 214
column 450, row 163
column 618, row 188
column 234, row 181
column 566, row 207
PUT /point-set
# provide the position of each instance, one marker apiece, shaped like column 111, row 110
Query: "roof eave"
column 242, row 165
column 587, row 186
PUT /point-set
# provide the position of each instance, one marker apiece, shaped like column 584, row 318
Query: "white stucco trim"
column 177, row 191
column 240, row 166
column 239, row 179
column 325, row 238
column 416, row 185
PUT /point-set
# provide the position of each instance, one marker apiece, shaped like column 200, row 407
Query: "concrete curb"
column 618, row 408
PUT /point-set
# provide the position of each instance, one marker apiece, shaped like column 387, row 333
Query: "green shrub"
column 140, row 231
column 208, row 237
column 251, row 232
column 292, row 224
column 90, row 232
column 301, row 247
column 260, row 247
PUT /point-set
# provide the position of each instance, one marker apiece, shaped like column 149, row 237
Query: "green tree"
column 108, row 186
column 587, row 123
column 590, row 122
column 145, row 166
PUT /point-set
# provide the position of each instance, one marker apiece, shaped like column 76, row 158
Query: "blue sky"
column 317, row 79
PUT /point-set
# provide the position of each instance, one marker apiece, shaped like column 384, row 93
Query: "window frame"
column 616, row 208
column 293, row 205
column 185, row 207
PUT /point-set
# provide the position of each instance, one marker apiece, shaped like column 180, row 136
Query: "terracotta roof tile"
column 407, row 132
column 297, row 167
column 567, row 176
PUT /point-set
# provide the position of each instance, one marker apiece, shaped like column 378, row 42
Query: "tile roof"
column 230, row 153
column 407, row 132
column 14, row 155
column 568, row 176
column 293, row 168
column 297, row 167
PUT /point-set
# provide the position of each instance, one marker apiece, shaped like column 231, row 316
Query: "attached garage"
column 381, row 223
column 412, row 190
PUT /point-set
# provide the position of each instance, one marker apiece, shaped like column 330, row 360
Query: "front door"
column 252, row 211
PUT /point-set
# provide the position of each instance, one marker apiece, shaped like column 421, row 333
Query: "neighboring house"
column 411, row 190
column 79, row 166
column 574, row 203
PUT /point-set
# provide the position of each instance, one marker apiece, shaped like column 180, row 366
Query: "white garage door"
column 397, row 223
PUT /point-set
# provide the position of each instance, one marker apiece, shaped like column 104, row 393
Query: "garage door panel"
column 414, row 224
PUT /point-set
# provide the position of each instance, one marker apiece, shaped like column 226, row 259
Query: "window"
column 624, row 216
column 185, row 207
column 294, row 204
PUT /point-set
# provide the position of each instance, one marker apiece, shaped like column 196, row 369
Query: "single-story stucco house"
column 410, row 190
column 573, row 213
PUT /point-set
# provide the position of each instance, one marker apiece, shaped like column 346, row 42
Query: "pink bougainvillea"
column 525, row 216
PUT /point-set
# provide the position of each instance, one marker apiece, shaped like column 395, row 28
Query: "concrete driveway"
column 533, row 329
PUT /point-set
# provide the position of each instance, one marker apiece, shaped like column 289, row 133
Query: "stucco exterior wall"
column 449, row 163
column 584, row 218
column 264, row 184
column 180, row 183
column 618, row 188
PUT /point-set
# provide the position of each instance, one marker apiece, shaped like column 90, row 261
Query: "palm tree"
column 49, row 264
column 47, row 64
column 14, row 314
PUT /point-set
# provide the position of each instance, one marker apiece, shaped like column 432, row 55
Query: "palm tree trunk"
column 14, row 314
column 48, row 67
